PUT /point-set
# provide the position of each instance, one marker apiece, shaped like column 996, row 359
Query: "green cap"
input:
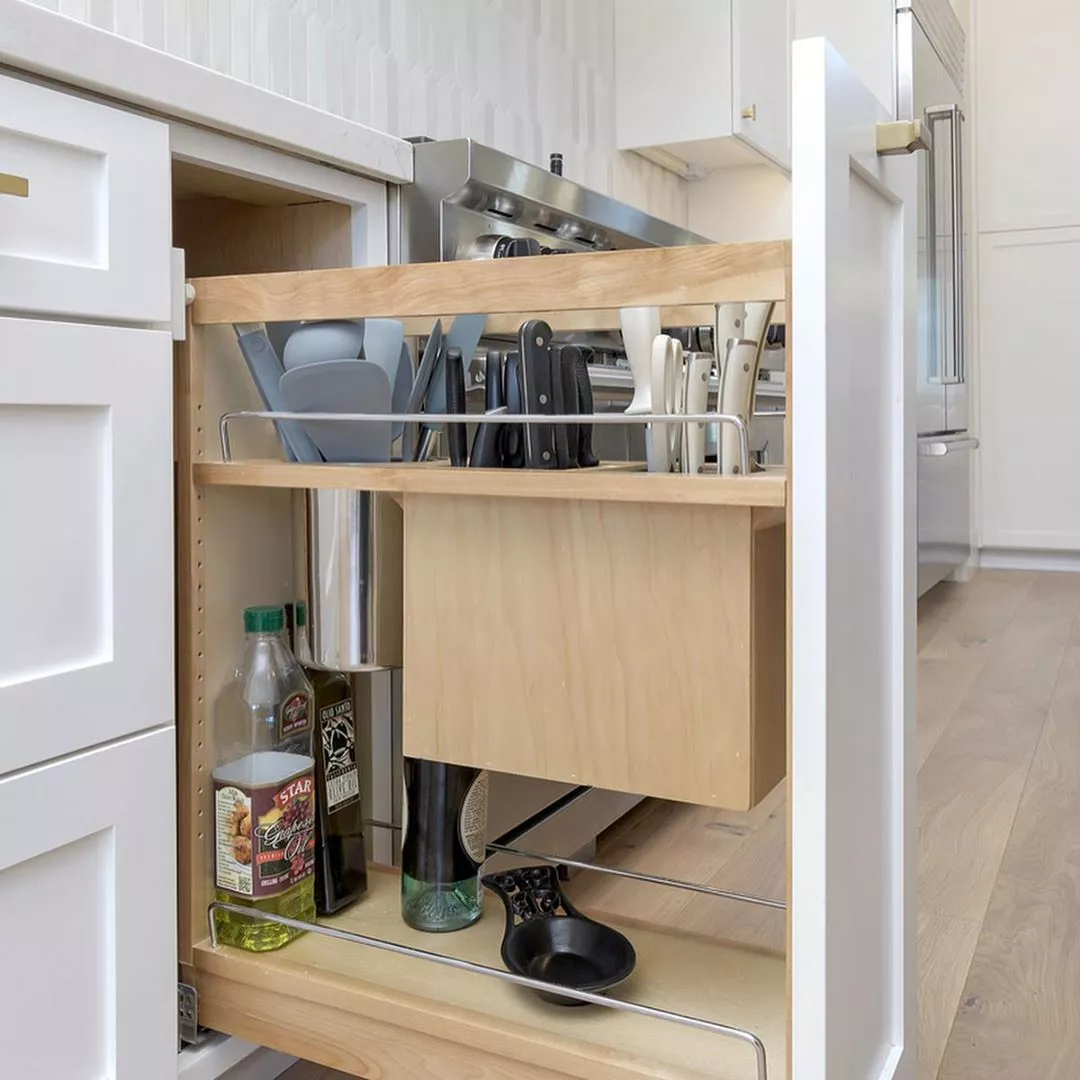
column 301, row 613
column 264, row 620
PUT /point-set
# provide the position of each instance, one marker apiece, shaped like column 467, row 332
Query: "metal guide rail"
column 498, row 417
column 585, row 996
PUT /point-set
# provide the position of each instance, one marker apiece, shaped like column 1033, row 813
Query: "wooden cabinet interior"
column 699, row 562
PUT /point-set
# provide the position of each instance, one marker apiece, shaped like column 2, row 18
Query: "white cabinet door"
column 88, row 915
column 86, row 555
column 1028, row 431
column 853, row 583
column 760, row 113
column 91, row 236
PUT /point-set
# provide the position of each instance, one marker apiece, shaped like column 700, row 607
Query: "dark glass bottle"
column 443, row 845
column 340, row 857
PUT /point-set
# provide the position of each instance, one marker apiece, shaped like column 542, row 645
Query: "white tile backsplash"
column 528, row 76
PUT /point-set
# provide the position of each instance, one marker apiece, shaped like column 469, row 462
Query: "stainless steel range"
column 469, row 201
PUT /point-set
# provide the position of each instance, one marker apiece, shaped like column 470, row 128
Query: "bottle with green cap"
column 264, row 789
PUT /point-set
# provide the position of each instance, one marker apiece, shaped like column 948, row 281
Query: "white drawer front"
column 91, row 238
column 88, row 896
column 86, row 639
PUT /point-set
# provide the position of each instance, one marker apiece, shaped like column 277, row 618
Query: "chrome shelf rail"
column 584, row 996
column 601, row 419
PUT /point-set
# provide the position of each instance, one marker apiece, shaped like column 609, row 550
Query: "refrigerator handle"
column 955, row 371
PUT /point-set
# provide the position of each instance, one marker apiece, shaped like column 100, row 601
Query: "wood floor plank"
column 946, row 947
column 975, row 617
column 966, row 808
column 1020, row 1011
column 1002, row 715
column 1046, row 834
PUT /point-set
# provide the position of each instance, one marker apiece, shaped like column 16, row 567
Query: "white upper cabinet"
column 84, row 208
column 86, row 640
column 704, row 82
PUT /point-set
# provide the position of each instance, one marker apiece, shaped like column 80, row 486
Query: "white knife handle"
column 738, row 381
column 657, row 445
column 640, row 328
column 696, row 400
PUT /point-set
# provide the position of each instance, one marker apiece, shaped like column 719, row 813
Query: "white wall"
column 527, row 76
column 862, row 31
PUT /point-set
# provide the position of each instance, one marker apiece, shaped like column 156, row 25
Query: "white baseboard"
column 221, row 1057
column 1066, row 562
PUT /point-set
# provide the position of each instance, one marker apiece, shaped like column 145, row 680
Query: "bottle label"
column 265, row 835
column 295, row 715
column 472, row 827
column 339, row 755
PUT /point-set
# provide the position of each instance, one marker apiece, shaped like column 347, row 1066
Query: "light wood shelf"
column 372, row 1013
column 617, row 482
column 661, row 277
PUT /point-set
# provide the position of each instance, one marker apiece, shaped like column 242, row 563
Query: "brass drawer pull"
column 10, row 184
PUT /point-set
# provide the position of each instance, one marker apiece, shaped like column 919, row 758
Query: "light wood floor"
column 999, row 842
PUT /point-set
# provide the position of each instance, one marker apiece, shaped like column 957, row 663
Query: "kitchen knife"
column 513, row 440
column 266, row 370
column 666, row 371
column 464, row 335
column 420, row 387
column 456, row 434
column 486, row 445
column 640, row 327
column 564, row 376
column 586, row 459
column 738, row 379
column 696, row 400
column 538, row 393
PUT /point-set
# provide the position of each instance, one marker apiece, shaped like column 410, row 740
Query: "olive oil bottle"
column 340, row 857
column 264, row 789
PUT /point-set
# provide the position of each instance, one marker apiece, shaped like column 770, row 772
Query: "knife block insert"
column 636, row 647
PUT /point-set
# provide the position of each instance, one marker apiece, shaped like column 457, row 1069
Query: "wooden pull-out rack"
column 601, row 627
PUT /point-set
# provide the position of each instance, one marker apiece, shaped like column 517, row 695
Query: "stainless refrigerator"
column 930, row 87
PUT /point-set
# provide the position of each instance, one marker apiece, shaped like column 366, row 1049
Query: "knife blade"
column 420, row 388
column 563, row 359
column 538, row 393
column 696, row 400
column 586, row 459
column 488, row 440
column 456, row 434
column 513, row 441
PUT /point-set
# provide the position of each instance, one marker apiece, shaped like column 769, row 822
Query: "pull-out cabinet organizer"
column 603, row 627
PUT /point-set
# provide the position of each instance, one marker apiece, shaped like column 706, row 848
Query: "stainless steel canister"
column 348, row 549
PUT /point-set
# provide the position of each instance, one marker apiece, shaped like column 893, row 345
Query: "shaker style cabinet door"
column 86, row 553
column 84, row 208
column 87, row 914
column 853, row 584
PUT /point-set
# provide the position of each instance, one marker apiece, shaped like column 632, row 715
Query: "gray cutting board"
column 342, row 386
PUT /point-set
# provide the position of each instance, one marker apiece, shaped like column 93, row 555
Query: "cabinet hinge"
column 187, row 1004
column 901, row 137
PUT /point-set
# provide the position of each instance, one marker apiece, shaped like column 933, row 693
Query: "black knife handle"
column 513, row 440
column 487, row 444
column 538, row 393
column 585, row 456
column 457, row 440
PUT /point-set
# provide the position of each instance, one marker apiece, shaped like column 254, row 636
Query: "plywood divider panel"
column 234, row 549
column 594, row 643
